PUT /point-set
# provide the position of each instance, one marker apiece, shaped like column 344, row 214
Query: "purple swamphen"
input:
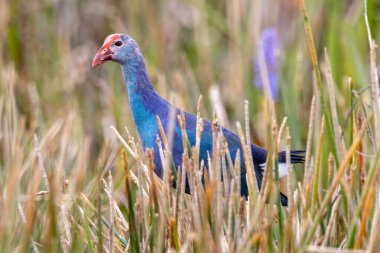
column 146, row 104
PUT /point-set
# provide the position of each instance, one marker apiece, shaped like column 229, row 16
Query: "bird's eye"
column 118, row 43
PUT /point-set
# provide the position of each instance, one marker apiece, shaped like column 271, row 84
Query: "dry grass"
column 74, row 178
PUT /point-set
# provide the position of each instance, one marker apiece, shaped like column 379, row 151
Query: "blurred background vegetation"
column 188, row 45
column 48, row 88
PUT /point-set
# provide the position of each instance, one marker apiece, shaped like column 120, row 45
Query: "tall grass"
column 73, row 174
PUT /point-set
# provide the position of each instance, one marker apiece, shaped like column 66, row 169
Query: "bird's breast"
column 145, row 121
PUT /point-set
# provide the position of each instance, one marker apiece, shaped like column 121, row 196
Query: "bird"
column 146, row 104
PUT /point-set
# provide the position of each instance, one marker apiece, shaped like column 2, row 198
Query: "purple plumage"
column 146, row 104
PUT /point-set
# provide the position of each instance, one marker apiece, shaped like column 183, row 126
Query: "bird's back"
column 206, row 142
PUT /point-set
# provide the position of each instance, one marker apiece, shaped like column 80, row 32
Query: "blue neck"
column 145, row 103
column 136, row 76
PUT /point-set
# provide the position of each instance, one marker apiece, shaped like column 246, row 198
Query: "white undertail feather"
column 282, row 169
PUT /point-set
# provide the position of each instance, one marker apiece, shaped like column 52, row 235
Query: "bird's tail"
column 296, row 156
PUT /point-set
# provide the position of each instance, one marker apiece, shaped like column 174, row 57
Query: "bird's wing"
column 259, row 154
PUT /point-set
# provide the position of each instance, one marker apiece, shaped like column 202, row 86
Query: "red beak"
column 103, row 55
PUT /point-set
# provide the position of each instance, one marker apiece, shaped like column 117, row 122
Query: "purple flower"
column 270, row 47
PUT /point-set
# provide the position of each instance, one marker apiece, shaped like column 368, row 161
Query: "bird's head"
column 117, row 47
